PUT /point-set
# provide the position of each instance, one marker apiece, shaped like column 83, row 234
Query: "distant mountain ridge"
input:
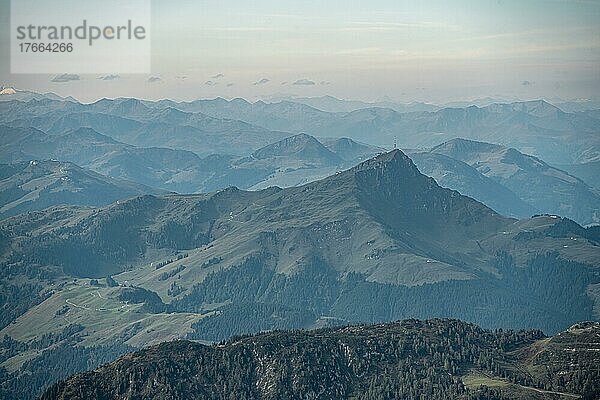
column 538, row 184
column 455, row 174
column 172, row 170
column 298, row 159
column 132, row 122
column 11, row 94
column 531, row 126
column 239, row 127
column 36, row 185
column 333, row 104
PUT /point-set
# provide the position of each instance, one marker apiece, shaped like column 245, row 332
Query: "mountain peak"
column 350, row 150
column 459, row 147
column 395, row 157
column 537, row 108
column 301, row 145
column 8, row 91
column 302, row 137
column 393, row 189
column 391, row 172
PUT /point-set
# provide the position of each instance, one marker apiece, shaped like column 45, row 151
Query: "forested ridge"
column 410, row 359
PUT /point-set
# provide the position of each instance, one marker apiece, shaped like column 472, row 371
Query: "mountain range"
column 535, row 127
column 505, row 179
column 130, row 121
column 375, row 243
column 239, row 127
column 99, row 257
column 119, row 138
column 301, row 159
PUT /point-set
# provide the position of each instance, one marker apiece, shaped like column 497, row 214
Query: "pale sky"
column 406, row 50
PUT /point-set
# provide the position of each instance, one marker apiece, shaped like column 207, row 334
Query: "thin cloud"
column 181, row 77
column 153, row 79
column 262, row 82
column 217, row 76
column 363, row 51
column 66, row 78
column 523, row 33
column 109, row 77
column 210, row 83
column 245, row 29
column 305, row 82
column 369, row 26
column 229, row 84
column 325, row 83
